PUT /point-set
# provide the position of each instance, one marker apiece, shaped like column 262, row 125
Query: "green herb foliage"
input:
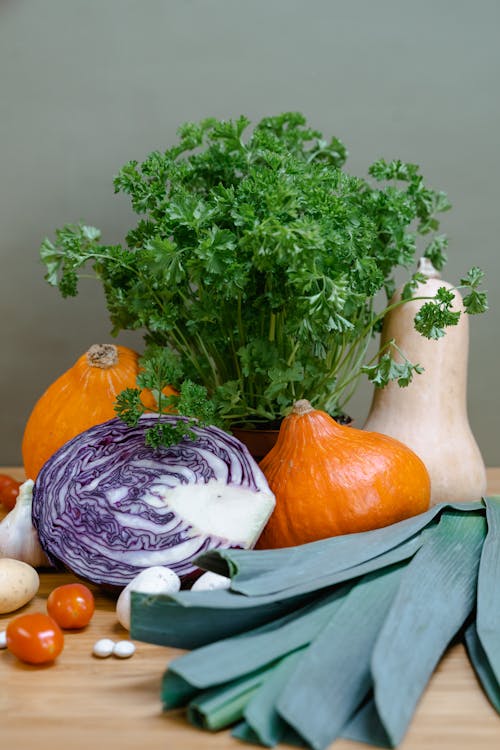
column 254, row 268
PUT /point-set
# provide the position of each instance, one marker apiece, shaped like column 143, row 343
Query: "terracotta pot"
column 258, row 442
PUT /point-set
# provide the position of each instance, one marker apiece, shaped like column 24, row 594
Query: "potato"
column 19, row 583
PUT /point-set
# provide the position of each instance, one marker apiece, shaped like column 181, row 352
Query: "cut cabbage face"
column 106, row 506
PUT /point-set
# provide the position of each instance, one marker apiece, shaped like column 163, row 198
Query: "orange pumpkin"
column 331, row 479
column 80, row 398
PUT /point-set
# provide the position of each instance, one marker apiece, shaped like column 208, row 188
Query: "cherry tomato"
column 71, row 605
column 34, row 638
column 9, row 489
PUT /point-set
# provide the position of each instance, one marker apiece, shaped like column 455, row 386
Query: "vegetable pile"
column 334, row 638
column 107, row 506
column 255, row 266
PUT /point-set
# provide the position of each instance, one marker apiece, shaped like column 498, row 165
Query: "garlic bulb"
column 154, row 580
column 18, row 538
column 211, row 582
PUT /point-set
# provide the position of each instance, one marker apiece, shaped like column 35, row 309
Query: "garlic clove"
column 18, row 537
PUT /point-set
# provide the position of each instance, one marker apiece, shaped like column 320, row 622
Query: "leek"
column 436, row 595
column 333, row 676
column 255, row 573
column 337, row 638
column 488, row 596
column 482, row 666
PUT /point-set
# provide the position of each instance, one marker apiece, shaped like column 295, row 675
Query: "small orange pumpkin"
column 80, row 398
column 331, row 479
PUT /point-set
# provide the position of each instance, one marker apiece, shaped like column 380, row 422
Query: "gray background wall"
column 86, row 85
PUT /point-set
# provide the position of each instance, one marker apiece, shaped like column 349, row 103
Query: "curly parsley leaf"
column 129, row 407
column 474, row 278
column 194, row 402
column 410, row 287
column 196, row 410
column 435, row 252
column 434, row 316
column 159, row 371
column 75, row 245
column 160, row 367
column 388, row 369
column 475, row 302
column 164, row 434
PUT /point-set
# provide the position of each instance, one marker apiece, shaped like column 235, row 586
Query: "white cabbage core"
column 220, row 509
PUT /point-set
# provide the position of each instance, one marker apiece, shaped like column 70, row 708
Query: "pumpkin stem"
column 102, row 355
column 425, row 266
column 301, row 407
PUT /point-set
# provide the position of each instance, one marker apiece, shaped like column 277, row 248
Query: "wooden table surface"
column 82, row 702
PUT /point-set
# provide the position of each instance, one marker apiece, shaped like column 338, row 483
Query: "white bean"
column 123, row 649
column 103, row 648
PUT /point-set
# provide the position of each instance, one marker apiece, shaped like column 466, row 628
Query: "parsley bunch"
column 254, row 268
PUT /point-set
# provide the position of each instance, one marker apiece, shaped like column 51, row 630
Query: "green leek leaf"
column 488, row 594
column 259, row 572
column 223, row 706
column 227, row 659
column 192, row 619
column 365, row 726
column 243, row 731
column 482, row 667
column 437, row 593
column 261, row 714
column 333, row 677
column 176, row 691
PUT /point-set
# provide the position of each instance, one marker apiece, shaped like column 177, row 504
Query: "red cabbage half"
column 106, row 506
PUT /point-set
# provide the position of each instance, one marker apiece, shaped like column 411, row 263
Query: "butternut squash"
column 430, row 415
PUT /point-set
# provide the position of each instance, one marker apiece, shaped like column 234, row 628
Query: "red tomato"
column 9, row 489
column 34, row 638
column 71, row 605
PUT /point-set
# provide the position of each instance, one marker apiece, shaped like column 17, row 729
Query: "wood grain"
column 80, row 701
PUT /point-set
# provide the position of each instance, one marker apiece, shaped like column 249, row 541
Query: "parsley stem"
column 183, row 346
column 355, row 369
column 272, row 327
column 236, row 359
column 341, row 360
column 291, row 358
column 216, row 372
